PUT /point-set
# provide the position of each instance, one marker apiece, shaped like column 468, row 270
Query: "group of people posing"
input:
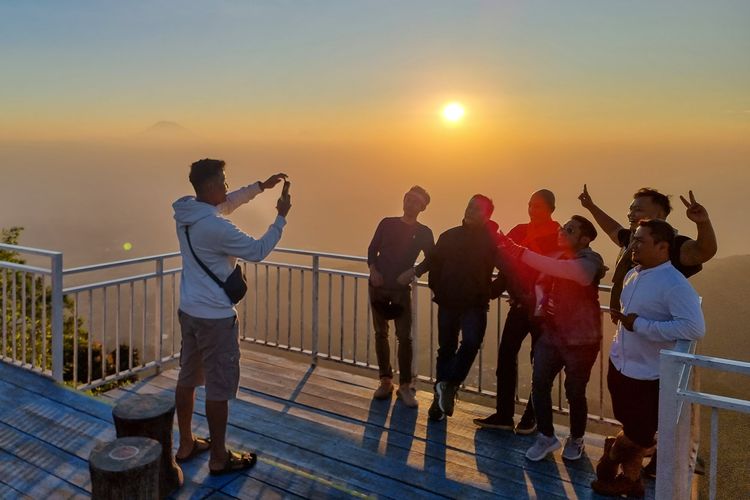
column 549, row 271
column 552, row 276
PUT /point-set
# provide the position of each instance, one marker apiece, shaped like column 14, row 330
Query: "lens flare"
column 127, row 246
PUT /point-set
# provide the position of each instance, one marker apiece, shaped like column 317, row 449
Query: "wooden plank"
column 281, row 451
column 508, row 453
column 35, row 482
column 45, row 456
column 8, row 492
column 369, row 455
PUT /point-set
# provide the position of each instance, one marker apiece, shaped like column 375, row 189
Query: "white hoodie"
column 218, row 243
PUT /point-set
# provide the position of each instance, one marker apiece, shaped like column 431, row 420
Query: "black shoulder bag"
column 235, row 286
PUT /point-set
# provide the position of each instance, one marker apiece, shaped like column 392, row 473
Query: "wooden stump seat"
column 152, row 416
column 126, row 469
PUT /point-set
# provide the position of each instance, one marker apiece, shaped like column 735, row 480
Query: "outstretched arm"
column 607, row 223
column 704, row 246
column 237, row 198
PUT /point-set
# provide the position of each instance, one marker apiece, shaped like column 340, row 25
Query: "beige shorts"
column 210, row 355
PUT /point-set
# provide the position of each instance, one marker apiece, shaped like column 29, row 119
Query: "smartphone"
column 285, row 189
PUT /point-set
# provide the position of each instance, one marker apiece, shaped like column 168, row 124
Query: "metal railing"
column 680, row 400
column 120, row 318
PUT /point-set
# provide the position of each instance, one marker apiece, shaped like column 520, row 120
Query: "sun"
column 453, row 112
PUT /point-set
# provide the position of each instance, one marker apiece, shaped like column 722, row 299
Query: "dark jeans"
column 635, row 404
column 518, row 324
column 403, row 334
column 454, row 362
column 549, row 359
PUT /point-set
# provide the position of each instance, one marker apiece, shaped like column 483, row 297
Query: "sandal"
column 236, row 461
column 200, row 445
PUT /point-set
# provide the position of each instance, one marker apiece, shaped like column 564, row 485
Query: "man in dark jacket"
column 461, row 266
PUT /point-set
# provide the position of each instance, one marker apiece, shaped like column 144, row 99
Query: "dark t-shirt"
column 395, row 246
column 625, row 264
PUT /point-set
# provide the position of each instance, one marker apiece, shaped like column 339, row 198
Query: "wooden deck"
column 318, row 434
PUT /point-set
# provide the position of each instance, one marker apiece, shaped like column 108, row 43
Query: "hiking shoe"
column 526, row 426
column 435, row 413
column 494, row 421
column 573, row 448
column 407, row 395
column 446, row 392
column 542, row 447
column 384, row 390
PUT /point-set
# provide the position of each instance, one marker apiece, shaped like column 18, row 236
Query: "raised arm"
column 607, row 223
column 704, row 246
column 237, row 198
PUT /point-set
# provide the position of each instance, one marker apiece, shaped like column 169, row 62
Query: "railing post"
column 57, row 324
column 315, row 307
column 159, row 337
column 414, row 329
column 668, row 477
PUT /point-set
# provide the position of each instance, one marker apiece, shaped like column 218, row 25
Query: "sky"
column 345, row 96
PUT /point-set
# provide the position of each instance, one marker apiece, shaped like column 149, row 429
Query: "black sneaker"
column 526, row 426
column 650, row 469
column 435, row 413
column 494, row 421
column 446, row 392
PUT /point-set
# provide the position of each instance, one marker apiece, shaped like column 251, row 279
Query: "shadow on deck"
column 317, row 432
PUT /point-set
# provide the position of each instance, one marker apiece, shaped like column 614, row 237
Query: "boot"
column 606, row 467
column 629, row 483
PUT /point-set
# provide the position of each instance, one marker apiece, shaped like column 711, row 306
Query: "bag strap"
column 203, row 266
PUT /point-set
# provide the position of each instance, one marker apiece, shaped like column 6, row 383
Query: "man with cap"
column 393, row 250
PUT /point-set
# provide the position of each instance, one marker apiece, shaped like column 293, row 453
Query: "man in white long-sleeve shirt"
column 571, row 331
column 658, row 307
column 210, row 351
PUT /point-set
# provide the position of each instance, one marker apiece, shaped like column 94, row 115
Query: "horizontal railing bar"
column 117, row 376
column 728, row 365
column 103, row 284
column 33, row 251
column 25, row 268
column 326, row 255
column 715, row 401
column 118, row 263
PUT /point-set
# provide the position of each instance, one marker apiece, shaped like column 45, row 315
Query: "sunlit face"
column 220, row 189
column 645, row 251
column 643, row 208
column 453, row 112
column 477, row 212
column 538, row 208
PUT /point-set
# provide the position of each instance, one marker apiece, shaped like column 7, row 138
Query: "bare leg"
column 184, row 401
column 217, row 413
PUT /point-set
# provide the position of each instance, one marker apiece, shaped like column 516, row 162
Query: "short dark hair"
column 486, row 201
column 661, row 230
column 548, row 197
column 656, row 197
column 587, row 228
column 421, row 191
column 205, row 171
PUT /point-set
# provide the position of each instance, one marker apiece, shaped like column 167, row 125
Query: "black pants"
column 403, row 334
column 518, row 324
column 454, row 361
column 636, row 405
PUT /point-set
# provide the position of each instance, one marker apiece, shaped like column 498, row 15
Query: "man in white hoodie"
column 210, row 352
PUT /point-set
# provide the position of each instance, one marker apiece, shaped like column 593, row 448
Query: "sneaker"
column 384, row 390
column 542, row 447
column 495, row 422
column 407, row 395
column 650, row 469
column 446, row 392
column 526, row 426
column 435, row 413
column 573, row 448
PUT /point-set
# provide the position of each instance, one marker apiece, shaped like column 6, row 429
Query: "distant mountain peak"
column 166, row 130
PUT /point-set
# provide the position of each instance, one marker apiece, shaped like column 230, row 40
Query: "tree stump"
column 152, row 416
column 125, row 469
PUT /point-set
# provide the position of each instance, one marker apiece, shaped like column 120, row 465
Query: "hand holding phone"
column 285, row 201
